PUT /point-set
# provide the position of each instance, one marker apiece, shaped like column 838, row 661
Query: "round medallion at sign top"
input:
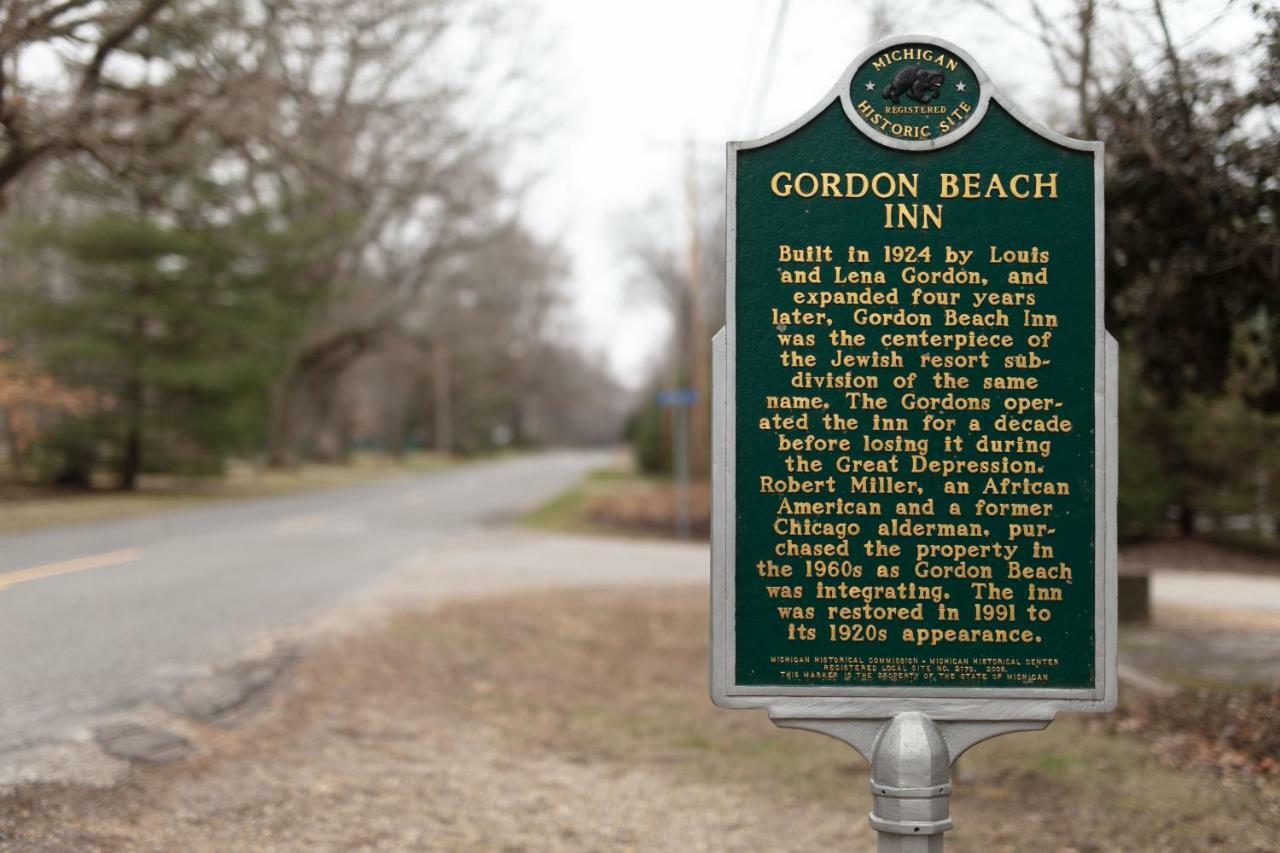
column 916, row 95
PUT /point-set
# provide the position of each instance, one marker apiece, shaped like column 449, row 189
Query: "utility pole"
column 680, row 452
column 699, row 353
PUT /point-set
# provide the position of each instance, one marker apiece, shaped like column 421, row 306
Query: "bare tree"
column 357, row 139
column 99, row 78
column 372, row 133
column 683, row 273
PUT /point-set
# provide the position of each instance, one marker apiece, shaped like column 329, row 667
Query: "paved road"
column 95, row 618
column 1223, row 590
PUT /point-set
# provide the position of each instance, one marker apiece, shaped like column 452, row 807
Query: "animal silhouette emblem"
column 918, row 84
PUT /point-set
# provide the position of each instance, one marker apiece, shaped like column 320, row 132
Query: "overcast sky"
column 629, row 82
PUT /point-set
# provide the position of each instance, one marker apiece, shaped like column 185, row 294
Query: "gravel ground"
column 372, row 745
column 570, row 719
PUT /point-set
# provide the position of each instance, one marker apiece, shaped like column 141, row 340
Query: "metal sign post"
column 680, row 401
column 914, row 428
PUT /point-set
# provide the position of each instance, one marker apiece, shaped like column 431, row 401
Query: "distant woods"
column 236, row 228
column 1192, row 248
column 1192, row 258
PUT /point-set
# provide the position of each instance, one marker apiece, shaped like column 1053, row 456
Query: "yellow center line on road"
column 66, row 567
column 300, row 524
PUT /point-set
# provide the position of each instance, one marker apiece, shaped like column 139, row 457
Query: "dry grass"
column 618, row 500
column 1198, row 555
column 580, row 721
column 25, row 507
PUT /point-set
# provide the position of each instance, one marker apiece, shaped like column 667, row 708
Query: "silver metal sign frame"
column 912, row 733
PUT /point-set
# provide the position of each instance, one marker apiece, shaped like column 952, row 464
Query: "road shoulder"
column 524, row 691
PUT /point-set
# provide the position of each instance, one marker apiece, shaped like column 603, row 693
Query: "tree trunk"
column 1187, row 521
column 1088, row 123
column 280, row 429
column 13, row 443
column 346, row 433
column 395, row 432
column 133, row 397
column 442, row 398
column 131, row 452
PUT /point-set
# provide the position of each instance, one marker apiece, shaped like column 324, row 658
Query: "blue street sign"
column 678, row 397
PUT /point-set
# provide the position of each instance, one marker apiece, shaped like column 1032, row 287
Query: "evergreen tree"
column 179, row 322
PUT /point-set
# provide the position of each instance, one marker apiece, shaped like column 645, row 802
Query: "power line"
column 766, row 76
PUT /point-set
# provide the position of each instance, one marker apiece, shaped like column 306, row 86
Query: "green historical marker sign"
column 915, row 479
column 913, row 426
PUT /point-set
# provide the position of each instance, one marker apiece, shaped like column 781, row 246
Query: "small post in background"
column 680, row 401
